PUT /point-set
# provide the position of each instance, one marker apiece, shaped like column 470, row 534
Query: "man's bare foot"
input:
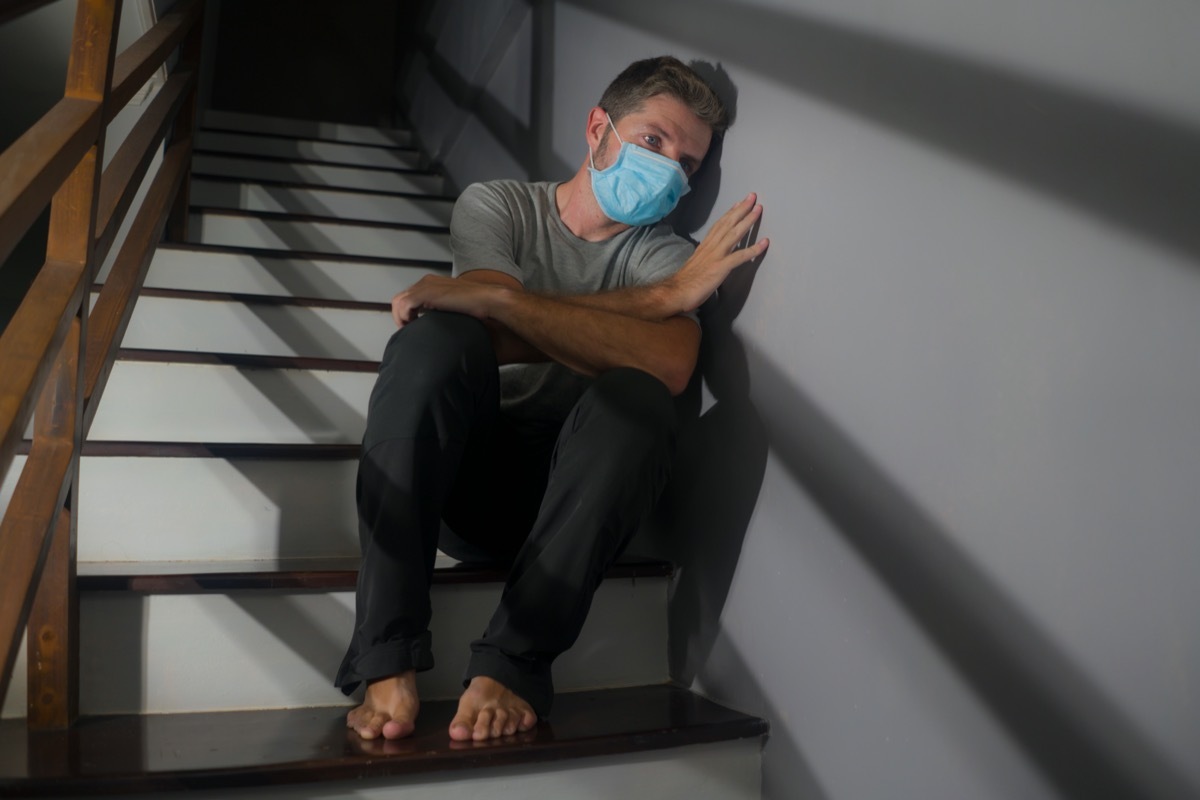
column 488, row 710
column 389, row 708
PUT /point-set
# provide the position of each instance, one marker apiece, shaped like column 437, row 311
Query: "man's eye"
column 652, row 140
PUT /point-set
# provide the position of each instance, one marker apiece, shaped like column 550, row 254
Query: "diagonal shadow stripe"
column 1125, row 166
column 1079, row 739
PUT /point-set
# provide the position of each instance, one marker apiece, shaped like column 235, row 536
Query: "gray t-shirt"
column 514, row 228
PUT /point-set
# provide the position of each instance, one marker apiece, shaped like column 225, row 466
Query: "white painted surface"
column 308, row 150
column 220, row 326
column 186, row 509
column 319, row 174
column 320, row 237
column 211, row 509
column 724, row 771
column 321, row 202
column 234, row 120
column 218, row 403
column 279, row 275
column 278, row 649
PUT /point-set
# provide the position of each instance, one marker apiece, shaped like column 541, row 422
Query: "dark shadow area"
column 702, row 517
column 1126, row 166
column 306, row 59
column 528, row 144
column 696, row 208
column 1069, row 729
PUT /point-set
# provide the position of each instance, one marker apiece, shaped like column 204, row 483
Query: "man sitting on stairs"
column 527, row 402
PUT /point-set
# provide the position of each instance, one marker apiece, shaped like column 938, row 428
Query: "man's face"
column 664, row 125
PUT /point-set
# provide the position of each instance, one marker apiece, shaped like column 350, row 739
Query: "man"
column 550, row 464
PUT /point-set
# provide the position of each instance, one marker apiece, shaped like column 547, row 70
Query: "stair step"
column 707, row 751
column 188, row 577
column 197, row 501
column 309, row 129
column 204, row 650
column 227, row 398
column 313, row 174
column 307, row 150
column 262, row 272
column 315, row 234
column 279, row 197
column 227, row 323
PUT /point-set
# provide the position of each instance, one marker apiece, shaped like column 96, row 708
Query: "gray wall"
column 945, row 531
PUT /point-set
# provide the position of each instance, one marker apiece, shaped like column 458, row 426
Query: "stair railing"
column 58, row 349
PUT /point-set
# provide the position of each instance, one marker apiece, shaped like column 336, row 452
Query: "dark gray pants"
column 558, row 505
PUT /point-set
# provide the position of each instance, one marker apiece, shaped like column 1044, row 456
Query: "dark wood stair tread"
column 318, row 162
column 143, row 753
column 188, row 577
column 286, row 301
column 328, row 219
column 304, row 255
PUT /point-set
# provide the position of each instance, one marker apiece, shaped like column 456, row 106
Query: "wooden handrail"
column 35, row 166
column 52, row 362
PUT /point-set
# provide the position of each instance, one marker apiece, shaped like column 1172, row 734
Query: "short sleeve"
column 661, row 256
column 482, row 232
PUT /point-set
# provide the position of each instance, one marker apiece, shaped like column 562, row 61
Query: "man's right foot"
column 389, row 708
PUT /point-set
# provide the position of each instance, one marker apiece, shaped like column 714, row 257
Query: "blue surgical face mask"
column 640, row 187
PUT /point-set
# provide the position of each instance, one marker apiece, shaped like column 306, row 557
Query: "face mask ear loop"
column 591, row 155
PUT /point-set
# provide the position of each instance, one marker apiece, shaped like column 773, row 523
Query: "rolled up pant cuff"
column 530, row 681
column 384, row 660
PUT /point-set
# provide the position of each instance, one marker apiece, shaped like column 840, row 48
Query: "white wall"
column 957, row 439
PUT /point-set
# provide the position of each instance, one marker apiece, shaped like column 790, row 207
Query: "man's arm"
column 632, row 327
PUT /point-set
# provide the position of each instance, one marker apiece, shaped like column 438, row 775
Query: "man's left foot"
column 488, row 710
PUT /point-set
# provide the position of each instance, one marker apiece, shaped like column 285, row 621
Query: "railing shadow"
column 1066, row 725
column 1128, row 167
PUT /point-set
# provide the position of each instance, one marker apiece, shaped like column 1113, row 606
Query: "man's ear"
column 597, row 127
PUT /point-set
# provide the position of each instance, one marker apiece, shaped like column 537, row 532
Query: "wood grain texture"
column 237, row 750
column 139, row 61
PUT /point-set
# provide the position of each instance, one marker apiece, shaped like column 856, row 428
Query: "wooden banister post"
column 53, row 629
column 190, row 53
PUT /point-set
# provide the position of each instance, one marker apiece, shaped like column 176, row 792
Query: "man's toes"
column 528, row 720
column 500, row 723
column 397, row 729
column 460, row 728
column 483, row 724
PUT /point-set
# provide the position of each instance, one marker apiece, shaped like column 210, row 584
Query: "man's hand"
column 445, row 294
column 715, row 257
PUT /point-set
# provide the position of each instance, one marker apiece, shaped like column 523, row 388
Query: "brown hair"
column 667, row 75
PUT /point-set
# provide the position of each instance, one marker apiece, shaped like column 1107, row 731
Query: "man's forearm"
column 592, row 340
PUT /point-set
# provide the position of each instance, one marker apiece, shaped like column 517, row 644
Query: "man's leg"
column 437, row 386
column 609, row 466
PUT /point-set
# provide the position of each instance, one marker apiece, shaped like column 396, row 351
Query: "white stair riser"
column 320, row 237
column 218, row 403
column 167, row 323
column 318, row 174
column 239, row 121
column 308, row 150
column 211, row 509
column 242, row 273
column 321, row 202
column 723, row 771
column 221, row 651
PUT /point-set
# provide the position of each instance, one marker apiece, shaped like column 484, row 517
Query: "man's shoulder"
column 505, row 192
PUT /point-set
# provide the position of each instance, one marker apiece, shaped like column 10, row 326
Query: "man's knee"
column 630, row 401
column 440, row 358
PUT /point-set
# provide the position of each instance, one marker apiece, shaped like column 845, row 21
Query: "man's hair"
column 667, row 75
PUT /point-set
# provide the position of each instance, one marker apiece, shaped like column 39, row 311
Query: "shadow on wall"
column 1078, row 738
column 527, row 143
column 1128, row 167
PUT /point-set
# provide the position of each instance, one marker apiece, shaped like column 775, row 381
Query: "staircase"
column 217, row 547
